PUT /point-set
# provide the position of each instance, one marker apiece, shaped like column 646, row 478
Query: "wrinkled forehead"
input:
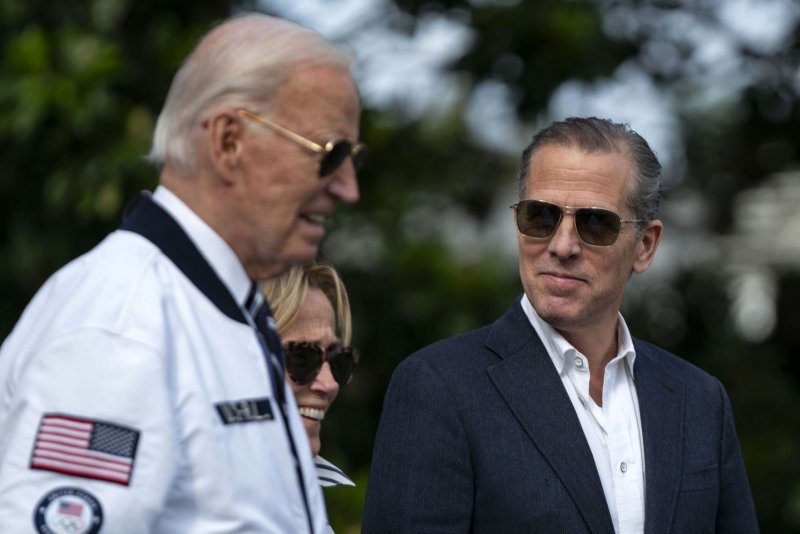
column 565, row 161
column 317, row 92
column 571, row 176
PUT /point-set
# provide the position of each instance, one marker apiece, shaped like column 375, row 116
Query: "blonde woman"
column 312, row 313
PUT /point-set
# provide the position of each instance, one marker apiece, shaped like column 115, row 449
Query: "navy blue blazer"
column 478, row 435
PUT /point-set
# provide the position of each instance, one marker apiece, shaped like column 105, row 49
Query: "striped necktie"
column 259, row 310
column 256, row 305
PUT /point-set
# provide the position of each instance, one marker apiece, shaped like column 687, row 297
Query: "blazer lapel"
column 661, row 407
column 535, row 395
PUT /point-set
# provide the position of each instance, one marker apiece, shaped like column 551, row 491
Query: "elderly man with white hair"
column 142, row 389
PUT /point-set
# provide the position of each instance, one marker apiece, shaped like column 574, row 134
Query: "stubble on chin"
column 562, row 312
column 555, row 315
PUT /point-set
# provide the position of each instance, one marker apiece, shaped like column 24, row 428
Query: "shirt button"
column 578, row 361
column 623, row 467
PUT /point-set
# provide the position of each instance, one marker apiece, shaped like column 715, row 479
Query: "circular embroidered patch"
column 68, row 511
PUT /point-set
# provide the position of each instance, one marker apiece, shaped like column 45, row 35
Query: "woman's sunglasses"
column 597, row 227
column 333, row 153
column 305, row 359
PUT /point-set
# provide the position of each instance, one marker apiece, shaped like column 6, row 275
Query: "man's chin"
column 304, row 258
column 268, row 270
column 301, row 250
column 558, row 316
column 285, row 261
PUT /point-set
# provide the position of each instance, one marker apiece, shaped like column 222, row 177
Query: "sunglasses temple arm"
column 299, row 139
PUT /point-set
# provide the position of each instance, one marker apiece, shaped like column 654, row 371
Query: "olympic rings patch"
column 68, row 510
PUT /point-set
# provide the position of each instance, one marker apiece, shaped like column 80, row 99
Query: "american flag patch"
column 70, row 508
column 85, row 448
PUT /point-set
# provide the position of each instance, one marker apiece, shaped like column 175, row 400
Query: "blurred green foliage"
column 82, row 81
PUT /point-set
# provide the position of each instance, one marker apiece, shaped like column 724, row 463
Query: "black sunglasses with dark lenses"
column 333, row 153
column 336, row 152
column 305, row 359
column 598, row 227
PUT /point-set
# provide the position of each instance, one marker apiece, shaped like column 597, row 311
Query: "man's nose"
column 565, row 241
column 344, row 183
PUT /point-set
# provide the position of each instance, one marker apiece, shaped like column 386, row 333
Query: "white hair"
column 244, row 60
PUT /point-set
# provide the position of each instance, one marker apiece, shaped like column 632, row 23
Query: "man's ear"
column 646, row 246
column 225, row 137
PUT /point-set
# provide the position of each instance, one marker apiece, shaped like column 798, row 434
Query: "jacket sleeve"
column 88, row 436
column 736, row 512
column 421, row 478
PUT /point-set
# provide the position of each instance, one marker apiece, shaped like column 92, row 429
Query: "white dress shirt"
column 121, row 343
column 613, row 431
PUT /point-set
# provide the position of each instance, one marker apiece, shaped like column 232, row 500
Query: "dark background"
column 81, row 83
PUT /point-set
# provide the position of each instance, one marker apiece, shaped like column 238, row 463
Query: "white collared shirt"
column 613, row 431
column 214, row 249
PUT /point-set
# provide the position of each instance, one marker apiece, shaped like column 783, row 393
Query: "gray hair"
column 591, row 134
column 244, row 60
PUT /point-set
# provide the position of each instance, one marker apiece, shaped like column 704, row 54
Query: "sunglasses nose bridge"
column 341, row 153
column 325, row 381
column 563, row 211
column 566, row 234
column 573, row 213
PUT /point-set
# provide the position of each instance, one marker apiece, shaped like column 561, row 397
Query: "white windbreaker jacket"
column 135, row 398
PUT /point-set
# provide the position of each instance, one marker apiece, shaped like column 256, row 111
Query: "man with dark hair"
column 554, row 419
column 142, row 390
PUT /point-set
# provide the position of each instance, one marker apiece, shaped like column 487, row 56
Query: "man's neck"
column 600, row 346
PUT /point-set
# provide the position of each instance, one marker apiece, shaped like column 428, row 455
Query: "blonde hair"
column 287, row 292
